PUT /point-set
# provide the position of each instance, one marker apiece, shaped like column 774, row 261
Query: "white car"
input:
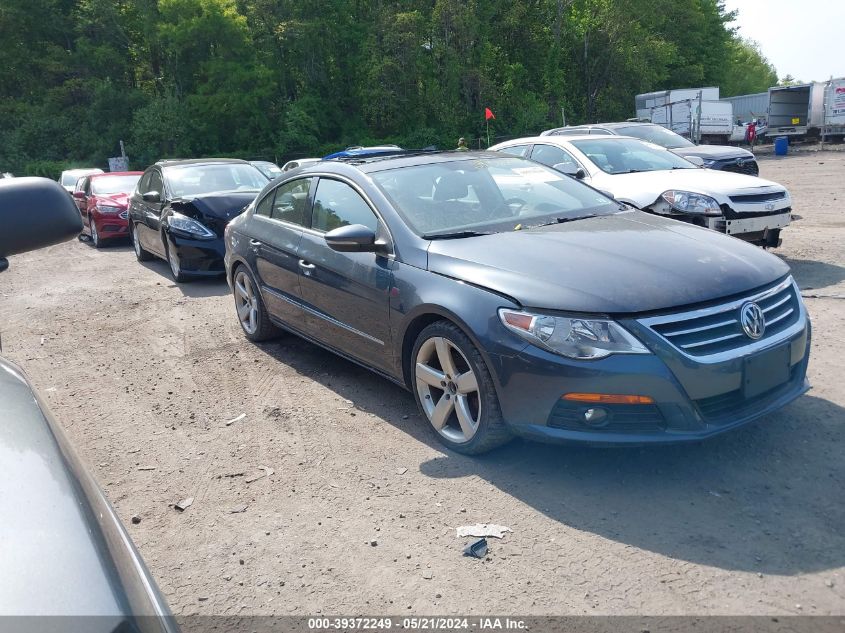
column 70, row 176
column 654, row 179
column 300, row 162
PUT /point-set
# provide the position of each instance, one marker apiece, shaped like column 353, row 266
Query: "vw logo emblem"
column 770, row 206
column 752, row 320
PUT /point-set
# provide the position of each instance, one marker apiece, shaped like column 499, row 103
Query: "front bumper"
column 692, row 400
column 198, row 257
column 758, row 224
column 112, row 225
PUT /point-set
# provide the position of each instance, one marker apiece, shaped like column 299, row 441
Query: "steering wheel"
column 507, row 204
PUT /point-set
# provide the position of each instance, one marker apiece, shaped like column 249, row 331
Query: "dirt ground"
column 358, row 512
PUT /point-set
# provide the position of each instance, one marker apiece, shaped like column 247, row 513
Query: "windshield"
column 69, row 178
column 108, row 185
column 627, row 156
column 195, row 180
column 270, row 170
column 487, row 196
column 655, row 134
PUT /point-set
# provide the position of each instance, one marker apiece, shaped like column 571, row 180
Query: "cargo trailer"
column 834, row 108
column 796, row 110
column 677, row 110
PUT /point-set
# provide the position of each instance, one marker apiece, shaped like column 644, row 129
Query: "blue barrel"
column 781, row 146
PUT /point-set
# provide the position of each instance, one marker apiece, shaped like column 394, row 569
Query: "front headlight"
column 582, row 339
column 691, row 202
column 105, row 208
column 708, row 162
column 183, row 223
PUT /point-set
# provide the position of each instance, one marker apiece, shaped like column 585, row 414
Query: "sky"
column 801, row 39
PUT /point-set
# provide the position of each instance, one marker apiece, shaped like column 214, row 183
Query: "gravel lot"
column 358, row 512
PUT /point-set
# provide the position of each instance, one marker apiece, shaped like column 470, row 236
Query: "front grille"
column 759, row 197
column 624, row 418
column 734, row 405
column 748, row 167
column 714, row 330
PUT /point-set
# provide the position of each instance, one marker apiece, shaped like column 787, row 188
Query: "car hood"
column 713, row 152
column 114, row 199
column 223, row 205
column 68, row 550
column 644, row 188
column 624, row 263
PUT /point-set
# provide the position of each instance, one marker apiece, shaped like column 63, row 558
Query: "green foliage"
column 748, row 70
column 281, row 78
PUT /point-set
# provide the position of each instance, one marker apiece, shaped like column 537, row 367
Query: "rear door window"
column 516, row 150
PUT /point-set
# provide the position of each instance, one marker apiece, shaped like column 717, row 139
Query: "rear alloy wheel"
column 141, row 254
column 455, row 391
column 252, row 314
column 175, row 266
column 95, row 236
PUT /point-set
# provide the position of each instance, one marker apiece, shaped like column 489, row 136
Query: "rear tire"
column 141, row 254
column 455, row 391
column 249, row 307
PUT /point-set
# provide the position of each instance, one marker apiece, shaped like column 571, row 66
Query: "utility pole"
column 698, row 121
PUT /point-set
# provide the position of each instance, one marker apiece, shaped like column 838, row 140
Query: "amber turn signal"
column 607, row 398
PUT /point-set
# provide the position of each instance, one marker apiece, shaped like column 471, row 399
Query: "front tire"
column 179, row 275
column 455, row 392
column 249, row 306
column 95, row 235
column 141, row 254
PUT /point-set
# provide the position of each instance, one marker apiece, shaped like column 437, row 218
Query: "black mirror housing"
column 570, row 170
column 34, row 213
column 153, row 197
column 352, row 238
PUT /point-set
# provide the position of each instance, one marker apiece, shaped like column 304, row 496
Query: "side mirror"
column 570, row 169
column 352, row 238
column 695, row 160
column 153, row 197
column 34, row 212
column 79, row 195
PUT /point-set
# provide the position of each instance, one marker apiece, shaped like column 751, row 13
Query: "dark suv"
column 724, row 157
column 180, row 207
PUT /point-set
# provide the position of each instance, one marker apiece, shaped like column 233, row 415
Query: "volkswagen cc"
column 514, row 300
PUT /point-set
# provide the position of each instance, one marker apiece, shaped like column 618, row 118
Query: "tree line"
column 277, row 79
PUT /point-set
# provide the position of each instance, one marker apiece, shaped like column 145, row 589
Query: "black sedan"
column 512, row 299
column 180, row 207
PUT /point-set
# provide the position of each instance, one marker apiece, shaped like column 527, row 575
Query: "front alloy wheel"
column 175, row 266
column 455, row 391
column 95, row 236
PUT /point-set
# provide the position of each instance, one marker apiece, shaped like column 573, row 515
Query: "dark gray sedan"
column 512, row 299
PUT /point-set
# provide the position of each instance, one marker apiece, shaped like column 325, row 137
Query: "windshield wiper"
column 453, row 236
column 563, row 220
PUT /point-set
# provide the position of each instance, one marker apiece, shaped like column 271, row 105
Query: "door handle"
column 254, row 243
column 305, row 265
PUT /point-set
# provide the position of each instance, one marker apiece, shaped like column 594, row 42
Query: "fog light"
column 596, row 417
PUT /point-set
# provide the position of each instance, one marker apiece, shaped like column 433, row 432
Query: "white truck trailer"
column 797, row 110
column 834, row 109
column 678, row 111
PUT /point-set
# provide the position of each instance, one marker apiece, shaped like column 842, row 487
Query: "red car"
column 103, row 200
